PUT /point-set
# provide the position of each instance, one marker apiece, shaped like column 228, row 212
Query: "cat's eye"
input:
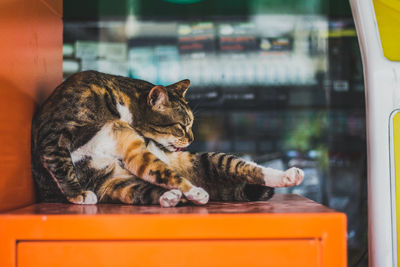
column 168, row 124
column 175, row 124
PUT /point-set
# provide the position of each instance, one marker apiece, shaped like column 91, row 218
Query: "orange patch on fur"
column 107, row 188
column 98, row 90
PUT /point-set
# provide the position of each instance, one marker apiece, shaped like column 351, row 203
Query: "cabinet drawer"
column 195, row 253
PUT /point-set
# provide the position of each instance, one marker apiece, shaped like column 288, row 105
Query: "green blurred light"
column 183, row 2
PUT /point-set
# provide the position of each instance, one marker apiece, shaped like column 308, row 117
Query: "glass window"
column 278, row 82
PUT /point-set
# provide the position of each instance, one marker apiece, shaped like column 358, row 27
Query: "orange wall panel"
column 30, row 67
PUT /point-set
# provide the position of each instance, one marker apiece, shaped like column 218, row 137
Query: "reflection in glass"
column 276, row 82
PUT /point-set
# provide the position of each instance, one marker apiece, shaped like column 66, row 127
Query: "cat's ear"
column 157, row 97
column 180, row 87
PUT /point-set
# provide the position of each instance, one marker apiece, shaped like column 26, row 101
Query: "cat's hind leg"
column 230, row 167
column 57, row 161
column 255, row 192
column 135, row 191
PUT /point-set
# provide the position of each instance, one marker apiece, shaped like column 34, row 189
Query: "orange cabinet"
column 288, row 230
column 194, row 253
column 212, row 253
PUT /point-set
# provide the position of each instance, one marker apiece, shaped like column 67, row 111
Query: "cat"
column 101, row 138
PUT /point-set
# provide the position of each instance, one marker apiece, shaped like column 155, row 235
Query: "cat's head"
column 169, row 119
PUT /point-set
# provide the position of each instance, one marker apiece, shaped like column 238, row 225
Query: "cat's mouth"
column 177, row 149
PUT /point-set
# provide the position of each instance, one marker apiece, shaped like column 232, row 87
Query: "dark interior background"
column 278, row 82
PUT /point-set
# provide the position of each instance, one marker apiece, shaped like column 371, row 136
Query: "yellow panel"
column 396, row 141
column 388, row 17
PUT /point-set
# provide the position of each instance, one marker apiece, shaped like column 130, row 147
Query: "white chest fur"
column 101, row 148
column 124, row 113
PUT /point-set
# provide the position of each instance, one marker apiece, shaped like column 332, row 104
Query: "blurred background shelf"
column 277, row 82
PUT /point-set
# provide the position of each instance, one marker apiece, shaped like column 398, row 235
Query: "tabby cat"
column 105, row 138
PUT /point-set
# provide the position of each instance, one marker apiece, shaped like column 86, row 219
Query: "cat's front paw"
column 87, row 197
column 170, row 198
column 293, row 176
column 197, row 195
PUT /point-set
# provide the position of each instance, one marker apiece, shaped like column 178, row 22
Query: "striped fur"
column 104, row 138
